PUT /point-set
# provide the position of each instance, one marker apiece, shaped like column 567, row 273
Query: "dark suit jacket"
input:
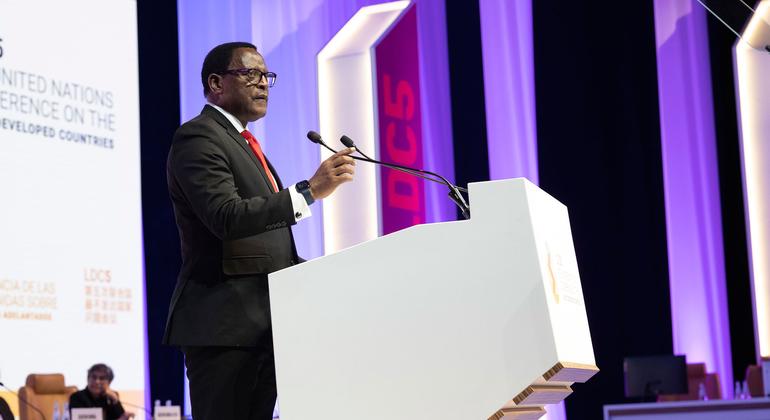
column 234, row 230
column 84, row 399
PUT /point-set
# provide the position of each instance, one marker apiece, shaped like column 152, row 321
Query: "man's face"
column 98, row 382
column 241, row 96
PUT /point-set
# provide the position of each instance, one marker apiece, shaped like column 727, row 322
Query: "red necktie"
column 261, row 156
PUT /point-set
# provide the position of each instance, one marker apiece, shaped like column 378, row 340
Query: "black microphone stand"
column 454, row 191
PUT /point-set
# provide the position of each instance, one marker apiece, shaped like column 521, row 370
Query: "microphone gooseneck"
column 348, row 142
column 454, row 190
column 316, row 138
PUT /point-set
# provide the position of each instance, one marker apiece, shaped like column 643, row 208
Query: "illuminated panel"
column 71, row 263
column 752, row 64
column 509, row 88
column 699, row 320
column 346, row 99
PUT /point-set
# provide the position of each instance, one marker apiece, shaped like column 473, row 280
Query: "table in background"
column 753, row 409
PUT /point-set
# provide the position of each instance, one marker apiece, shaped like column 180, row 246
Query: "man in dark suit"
column 234, row 219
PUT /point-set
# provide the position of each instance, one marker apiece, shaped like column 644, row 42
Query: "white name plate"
column 87, row 414
column 168, row 412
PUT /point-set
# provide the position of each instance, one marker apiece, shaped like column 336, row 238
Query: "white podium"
column 475, row 319
column 752, row 64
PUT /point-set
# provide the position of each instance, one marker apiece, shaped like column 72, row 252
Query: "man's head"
column 226, row 81
column 99, row 378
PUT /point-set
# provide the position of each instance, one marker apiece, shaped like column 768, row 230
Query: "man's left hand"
column 111, row 395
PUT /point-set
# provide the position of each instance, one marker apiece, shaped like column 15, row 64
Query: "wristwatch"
column 303, row 187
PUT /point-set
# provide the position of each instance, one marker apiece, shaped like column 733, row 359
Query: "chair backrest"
column 713, row 390
column 754, row 380
column 696, row 375
column 42, row 391
column 5, row 410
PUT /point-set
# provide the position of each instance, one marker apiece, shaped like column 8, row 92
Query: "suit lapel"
column 275, row 174
column 238, row 138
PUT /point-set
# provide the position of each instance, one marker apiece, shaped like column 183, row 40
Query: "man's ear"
column 215, row 83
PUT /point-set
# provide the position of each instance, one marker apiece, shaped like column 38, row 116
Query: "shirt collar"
column 234, row 121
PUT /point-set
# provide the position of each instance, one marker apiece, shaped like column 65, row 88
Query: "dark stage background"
column 721, row 42
column 599, row 153
column 159, row 118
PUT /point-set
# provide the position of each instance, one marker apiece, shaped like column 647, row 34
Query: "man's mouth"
column 260, row 97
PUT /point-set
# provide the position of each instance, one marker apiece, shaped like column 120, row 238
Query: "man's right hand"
column 336, row 170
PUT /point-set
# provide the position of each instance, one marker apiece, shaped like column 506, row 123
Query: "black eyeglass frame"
column 252, row 73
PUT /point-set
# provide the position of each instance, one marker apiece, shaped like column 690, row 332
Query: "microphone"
column 348, row 142
column 23, row 400
column 316, row 138
column 454, row 190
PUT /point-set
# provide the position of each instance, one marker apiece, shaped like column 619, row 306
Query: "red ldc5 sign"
column 400, row 124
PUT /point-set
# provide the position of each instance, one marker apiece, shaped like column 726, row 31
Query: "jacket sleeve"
column 200, row 174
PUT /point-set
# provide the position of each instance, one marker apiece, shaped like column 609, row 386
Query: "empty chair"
column 42, row 391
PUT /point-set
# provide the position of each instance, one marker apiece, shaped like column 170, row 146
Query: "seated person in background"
column 98, row 394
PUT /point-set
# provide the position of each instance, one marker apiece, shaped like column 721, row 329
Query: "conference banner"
column 400, row 124
column 71, row 262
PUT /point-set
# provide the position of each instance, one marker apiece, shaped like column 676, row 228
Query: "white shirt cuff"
column 299, row 205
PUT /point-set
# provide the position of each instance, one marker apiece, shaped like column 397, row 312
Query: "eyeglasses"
column 254, row 75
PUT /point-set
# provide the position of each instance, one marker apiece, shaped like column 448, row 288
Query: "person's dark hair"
column 218, row 59
column 103, row 368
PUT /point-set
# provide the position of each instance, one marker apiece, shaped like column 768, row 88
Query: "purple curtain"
column 509, row 88
column 691, row 183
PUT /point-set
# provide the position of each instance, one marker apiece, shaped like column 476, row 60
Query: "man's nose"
column 262, row 82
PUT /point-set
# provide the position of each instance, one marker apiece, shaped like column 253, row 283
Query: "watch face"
column 303, row 187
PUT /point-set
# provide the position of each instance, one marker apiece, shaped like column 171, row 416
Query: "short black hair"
column 218, row 59
column 104, row 368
